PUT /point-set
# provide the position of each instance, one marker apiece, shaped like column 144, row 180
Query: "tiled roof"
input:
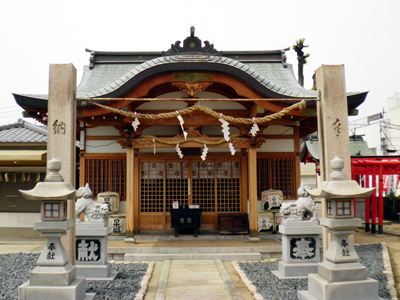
column 23, row 132
column 358, row 147
column 106, row 78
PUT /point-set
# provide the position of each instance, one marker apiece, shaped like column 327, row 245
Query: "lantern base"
column 75, row 291
column 320, row 289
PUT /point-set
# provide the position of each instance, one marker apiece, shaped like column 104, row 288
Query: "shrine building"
column 190, row 124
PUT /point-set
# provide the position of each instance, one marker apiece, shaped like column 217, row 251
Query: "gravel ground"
column 14, row 271
column 270, row 287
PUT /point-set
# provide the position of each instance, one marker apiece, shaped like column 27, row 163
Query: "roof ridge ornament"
column 191, row 45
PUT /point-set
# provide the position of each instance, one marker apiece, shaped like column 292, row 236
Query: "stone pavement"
column 193, row 279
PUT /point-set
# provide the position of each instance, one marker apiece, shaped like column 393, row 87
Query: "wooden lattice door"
column 213, row 185
column 177, row 187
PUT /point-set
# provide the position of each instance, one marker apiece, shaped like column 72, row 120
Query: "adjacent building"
column 23, row 157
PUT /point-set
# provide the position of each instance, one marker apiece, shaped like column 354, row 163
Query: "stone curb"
column 389, row 271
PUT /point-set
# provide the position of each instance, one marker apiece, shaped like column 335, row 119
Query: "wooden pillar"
column 82, row 162
column 373, row 205
column 297, row 158
column 380, row 203
column 333, row 129
column 252, row 169
column 136, row 189
column 244, row 183
column 130, row 226
column 354, row 177
column 61, row 135
column 367, row 205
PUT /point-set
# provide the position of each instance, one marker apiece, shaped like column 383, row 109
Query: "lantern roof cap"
column 53, row 187
column 338, row 185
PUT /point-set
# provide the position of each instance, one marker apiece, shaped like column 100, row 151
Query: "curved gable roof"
column 115, row 80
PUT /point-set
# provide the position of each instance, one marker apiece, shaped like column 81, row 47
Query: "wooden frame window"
column 329, row 210
column 343, row 208
column 203, row 176
column 51, row 210
column 277, row 171
column 228, row 186
column 106, row 174
column 152, row 187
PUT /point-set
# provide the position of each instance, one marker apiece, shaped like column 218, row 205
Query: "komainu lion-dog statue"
column 303, row 207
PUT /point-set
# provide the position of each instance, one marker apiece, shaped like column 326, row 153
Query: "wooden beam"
column 278, row 137
column 201, row 99
column 103, row 138
column 253, row 111
column 276, row 107
column 147, row 143
column 207, row 120
column 237, row 113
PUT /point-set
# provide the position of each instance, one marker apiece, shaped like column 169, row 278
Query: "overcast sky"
column 362, row 35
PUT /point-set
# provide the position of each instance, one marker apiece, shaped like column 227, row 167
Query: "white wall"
column 308, row 175
column 277, row 146
column 161, row 131
column 103, row 146
column 393, row 117
column 25, row 220
column 278, row 130
column 102, row 130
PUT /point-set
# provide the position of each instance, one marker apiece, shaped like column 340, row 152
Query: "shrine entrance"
column 214, row 185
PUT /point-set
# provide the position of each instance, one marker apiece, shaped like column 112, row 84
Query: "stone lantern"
column 340, row 276
column 54, row 277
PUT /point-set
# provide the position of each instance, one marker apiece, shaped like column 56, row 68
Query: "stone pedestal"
column 91, row 251
column 340, row 276
column 54, row 277
column 300, row 249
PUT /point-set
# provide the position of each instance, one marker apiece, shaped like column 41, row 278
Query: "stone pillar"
column 130, row 224
column 333, row 129
column 252, row 169
column 61, row 135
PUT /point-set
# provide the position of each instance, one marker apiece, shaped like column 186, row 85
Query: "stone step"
column 167, row 250
column 118, row 253
column 139, row 257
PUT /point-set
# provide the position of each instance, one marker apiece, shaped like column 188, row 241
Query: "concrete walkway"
column 196, row 280
column 21, row 245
